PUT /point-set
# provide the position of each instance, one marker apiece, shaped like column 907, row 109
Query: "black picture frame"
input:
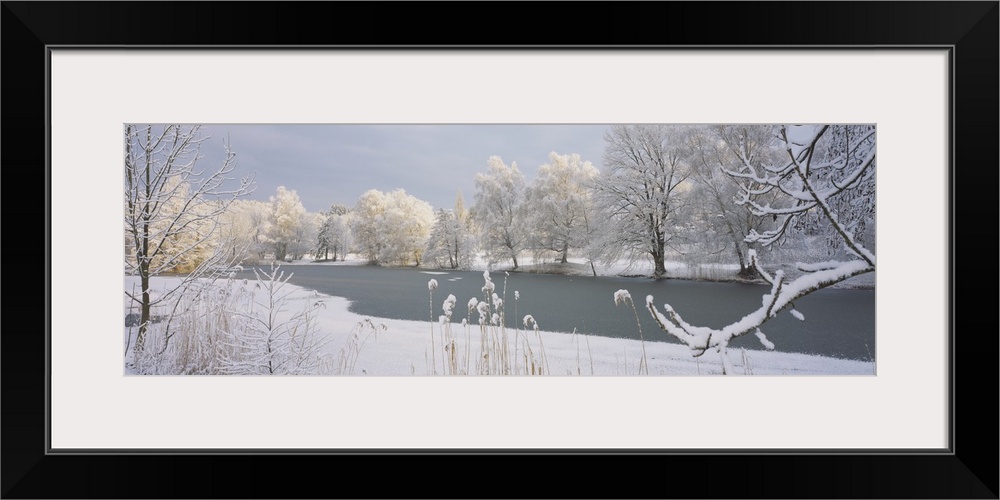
column 967, row 470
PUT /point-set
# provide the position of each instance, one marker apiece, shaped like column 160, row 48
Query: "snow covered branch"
column 783, row 294
column 173, row 211
column 824, row 183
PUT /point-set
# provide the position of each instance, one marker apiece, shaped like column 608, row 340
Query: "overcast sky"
column 328, row 164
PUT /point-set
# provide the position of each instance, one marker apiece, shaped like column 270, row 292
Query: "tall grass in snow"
column 497, row 353
column 431, row 286
column 623, row 297
column 347, row 358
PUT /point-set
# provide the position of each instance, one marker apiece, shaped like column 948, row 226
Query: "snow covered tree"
column 334, row 233
column 183, row 251
column 341, row 238
column 366, row 226
column 461, row 213
column 322, row 250
column 286, row 222
column 638, row 194
column 499, row 210
column 827, row 175
column 244, row 226
column 559, row 204
column 173, row 211
column 450, row 243
column 391, row 228
column 723, row 223
column 855, row 207
column 407, row 225
column 305, row 236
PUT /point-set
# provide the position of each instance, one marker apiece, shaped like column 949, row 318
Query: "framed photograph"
column 319, row 257
column 928, row 85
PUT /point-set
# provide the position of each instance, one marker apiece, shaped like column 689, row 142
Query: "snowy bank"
column 364, row 346
column 581, row 267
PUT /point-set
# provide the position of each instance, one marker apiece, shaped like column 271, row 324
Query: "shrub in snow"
column 237, row 327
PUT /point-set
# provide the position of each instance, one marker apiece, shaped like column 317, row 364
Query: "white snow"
column 401, row 349
column 449, row 305
column 528, row 320
column 817, row 266
column 763, row 340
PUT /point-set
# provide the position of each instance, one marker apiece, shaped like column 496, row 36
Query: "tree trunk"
column 746, row 272
column 515, row 261
column 143, row 257
column 659, row 268
column 144, row 317
column 565, row 251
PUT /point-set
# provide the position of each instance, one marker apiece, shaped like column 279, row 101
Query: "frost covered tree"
column 244, row 226
column 638, row 194
column 173, row 211
column 450, row 243
column 304, row 240
column 560, row 205
column 855, row 207
column 391, row 228
column 723, row 224
column 827, row 176
column 286, row 222
column 366, row 226
column 334, row 233
column 461, row 213
column 341, row 238
column 407, row 225
column 499, row 210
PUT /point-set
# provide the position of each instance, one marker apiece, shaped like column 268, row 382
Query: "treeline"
column 699, row 193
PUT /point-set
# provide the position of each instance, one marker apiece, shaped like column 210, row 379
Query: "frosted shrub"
column 268, row 339
column 236, row 327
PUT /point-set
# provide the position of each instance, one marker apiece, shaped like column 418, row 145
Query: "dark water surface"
column 838, row 322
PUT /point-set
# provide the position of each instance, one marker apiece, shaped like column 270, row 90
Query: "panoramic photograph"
column 507, row 249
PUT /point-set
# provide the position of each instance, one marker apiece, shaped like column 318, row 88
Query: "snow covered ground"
column 362, row 346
